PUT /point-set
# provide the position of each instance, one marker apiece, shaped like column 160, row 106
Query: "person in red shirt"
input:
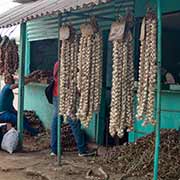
column 55, row 110
column 74, row 124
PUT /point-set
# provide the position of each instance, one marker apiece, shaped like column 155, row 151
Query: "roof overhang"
column 25, row 12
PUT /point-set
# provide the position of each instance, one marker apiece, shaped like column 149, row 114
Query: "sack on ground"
column 10, row 141
column 49, row 92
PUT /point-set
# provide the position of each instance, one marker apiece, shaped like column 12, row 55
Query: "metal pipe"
column 97, row 126
column 140, row 132
column 21, row 83
column 59, row 149
column 171, row 110
column 88, row 16
column 158, row 107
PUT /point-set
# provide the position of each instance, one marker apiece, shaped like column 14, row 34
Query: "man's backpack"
column 49, row 92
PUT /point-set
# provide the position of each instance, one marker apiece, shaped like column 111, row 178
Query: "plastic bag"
column 10, row 141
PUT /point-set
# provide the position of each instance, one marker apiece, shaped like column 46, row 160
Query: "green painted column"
column 101, row 116
column 158, row 108
column 21, row 82
column 27, row 59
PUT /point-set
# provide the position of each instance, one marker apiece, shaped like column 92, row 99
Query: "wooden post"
column 21, row 83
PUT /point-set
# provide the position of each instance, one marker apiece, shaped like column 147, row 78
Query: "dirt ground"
column 133, row 161
column 40, row 166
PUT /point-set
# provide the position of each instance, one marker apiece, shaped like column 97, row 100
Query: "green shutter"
column 43, row 28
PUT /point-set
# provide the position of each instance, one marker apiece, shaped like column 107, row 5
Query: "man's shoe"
column 87, row 153
column 52, row 154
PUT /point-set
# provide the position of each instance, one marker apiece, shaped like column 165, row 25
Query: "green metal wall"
column 170, row 115
column 35, row 100
column 43, row 28
column 167, row 6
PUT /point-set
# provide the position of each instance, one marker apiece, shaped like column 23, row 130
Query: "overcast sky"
column 6, row 4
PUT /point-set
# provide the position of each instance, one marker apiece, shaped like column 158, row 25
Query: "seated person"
column 167, row 77
column 8, row 113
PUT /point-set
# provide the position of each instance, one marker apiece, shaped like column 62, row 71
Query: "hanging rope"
column 12, row 31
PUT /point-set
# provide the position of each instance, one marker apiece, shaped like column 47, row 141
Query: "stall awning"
column 34, row 10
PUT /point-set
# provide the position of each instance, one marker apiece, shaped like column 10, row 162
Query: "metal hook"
column 66, row 14
column 119, row 15
column 147, row 4
column 150, row 7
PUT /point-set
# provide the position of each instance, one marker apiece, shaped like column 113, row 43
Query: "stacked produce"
column 36, row 143
column 15, row 55
column 147, row 70
column 8, row 56
column 68, row 74
column 11, row 58
column 89, row 80
column 121, row 113
column 135, row 160
column 41, row 76
column 42, row 141
column 34, row 120
column 67, row 139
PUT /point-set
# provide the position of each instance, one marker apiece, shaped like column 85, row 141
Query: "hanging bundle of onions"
column 89, row 72
column 121, row 113
column 147, row 70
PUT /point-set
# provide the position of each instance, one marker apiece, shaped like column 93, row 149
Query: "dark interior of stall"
column 43, row 54
column 170, row 45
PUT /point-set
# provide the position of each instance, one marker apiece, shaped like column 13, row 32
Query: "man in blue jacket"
column 8, row 113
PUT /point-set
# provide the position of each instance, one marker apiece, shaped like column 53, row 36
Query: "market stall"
column 88, row 69
column 159, row 91
column 38, row 36
column 170, row 90
column 41, row 53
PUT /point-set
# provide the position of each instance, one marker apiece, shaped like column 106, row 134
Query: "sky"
column 4, row 6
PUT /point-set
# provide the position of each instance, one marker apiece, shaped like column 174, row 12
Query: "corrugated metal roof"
column 34, row 10
column 47, row 27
